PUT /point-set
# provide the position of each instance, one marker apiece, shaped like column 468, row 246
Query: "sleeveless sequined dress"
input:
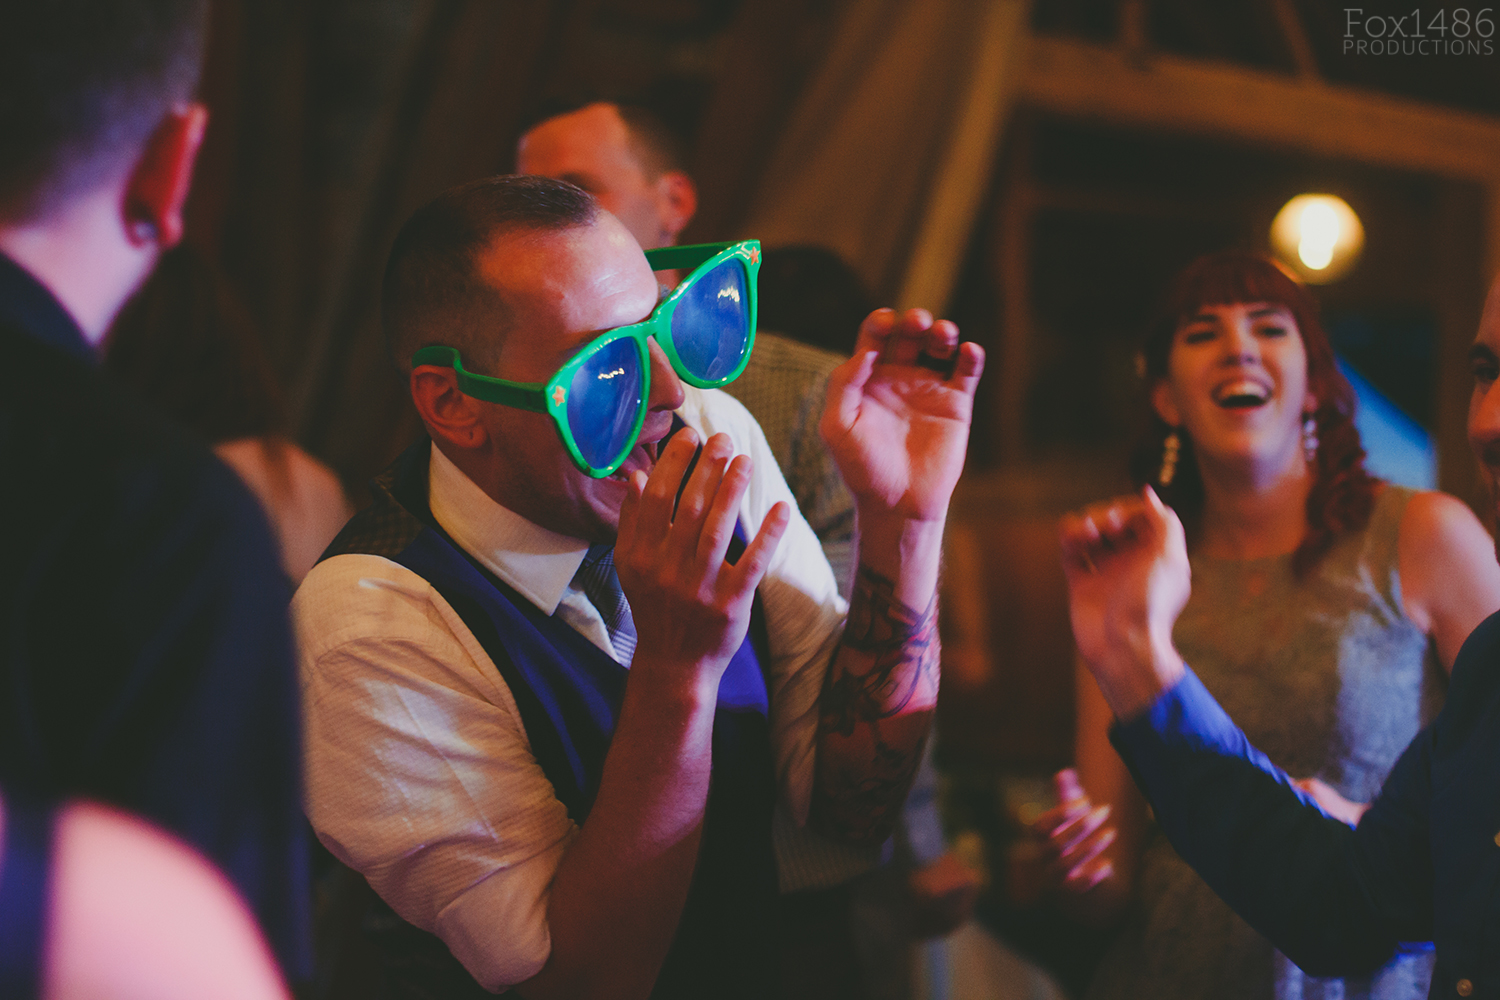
column 1329, row 677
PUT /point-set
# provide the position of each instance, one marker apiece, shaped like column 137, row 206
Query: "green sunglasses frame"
column 551, row 397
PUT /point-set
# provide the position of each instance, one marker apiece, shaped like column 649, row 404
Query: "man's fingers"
column 875, row 331
column 746, row 574
column 630, row 509
column 1090, row 538
column 968, row 368
column 654, row 515
column 1078, row 537
column 846, row 390
column 941, row 340
column 719, row 521
column 1163, row 519
column 909, row 338
column 698, row 494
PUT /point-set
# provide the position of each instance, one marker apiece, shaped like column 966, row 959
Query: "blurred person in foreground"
column 589, row 592
column 1327, row 608
column 99, row 904
column 186, row 344
column 836, row 932
column 144, row 645
column 1423, row 861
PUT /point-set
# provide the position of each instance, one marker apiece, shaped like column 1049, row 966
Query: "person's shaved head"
column 433, row 292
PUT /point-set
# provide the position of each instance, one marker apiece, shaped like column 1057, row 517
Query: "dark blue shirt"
column 1424, row 864
column 145, row 652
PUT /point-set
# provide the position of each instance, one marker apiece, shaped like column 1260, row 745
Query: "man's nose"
column 666, row 387
column 1484, row 420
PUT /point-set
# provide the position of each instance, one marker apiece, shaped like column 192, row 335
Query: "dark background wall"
column 334, row 119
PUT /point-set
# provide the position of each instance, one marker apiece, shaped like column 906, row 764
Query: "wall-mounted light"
column 1318, row 236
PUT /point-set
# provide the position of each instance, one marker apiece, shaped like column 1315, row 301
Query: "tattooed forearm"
column 874, row 712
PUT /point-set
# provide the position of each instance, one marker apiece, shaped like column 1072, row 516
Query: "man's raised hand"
column 691, row 608
column 897, row 429
column 1128, row 579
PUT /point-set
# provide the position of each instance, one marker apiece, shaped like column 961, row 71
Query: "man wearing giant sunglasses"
column 565, row 772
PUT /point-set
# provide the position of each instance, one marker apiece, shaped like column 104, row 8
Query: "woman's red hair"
column 1343, row 493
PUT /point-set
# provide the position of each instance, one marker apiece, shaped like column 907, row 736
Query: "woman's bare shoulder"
column 1450, row 581
column 1434, row 523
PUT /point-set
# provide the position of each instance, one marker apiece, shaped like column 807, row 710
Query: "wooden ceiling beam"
column 1082, row 80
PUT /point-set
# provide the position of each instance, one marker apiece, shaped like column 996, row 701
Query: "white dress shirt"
column 419, row 773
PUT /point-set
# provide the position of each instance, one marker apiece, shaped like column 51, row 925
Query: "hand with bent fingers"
column 1128, row 579
column 1077, row 835
column 899, row 430
column 691, row 608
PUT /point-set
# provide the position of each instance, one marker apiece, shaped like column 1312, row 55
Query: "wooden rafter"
column 1081, row 80
column 1095, row 82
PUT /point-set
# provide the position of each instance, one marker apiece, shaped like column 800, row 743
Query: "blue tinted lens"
column 711, row 326
column 603, row 401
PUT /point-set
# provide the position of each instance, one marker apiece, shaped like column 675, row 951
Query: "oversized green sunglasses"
column 706, row 328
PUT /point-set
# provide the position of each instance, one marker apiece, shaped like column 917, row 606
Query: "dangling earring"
column 1310, row 438
column 1169, row 449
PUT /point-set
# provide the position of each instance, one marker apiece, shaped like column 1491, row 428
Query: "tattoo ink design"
column 874, row 712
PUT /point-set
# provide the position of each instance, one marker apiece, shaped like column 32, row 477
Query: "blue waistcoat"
column 569, row 693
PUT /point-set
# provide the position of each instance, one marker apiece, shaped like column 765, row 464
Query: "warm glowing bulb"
column 1319, row 235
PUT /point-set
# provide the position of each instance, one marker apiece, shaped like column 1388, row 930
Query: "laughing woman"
column 1326, row 608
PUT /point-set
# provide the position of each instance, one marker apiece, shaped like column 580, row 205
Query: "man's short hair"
column 432, row 293
column 656, row 147
column 83, row 83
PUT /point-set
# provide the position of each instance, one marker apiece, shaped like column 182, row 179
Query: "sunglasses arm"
column 520, row 395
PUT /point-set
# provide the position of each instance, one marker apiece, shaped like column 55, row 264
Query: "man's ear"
column 1161, row 401
column 677, row 202
column 159, row 185
column 446, row 411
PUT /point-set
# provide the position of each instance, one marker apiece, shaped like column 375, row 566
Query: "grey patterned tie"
column 597, row 578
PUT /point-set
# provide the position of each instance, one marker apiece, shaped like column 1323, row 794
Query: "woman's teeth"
column 1241, row 395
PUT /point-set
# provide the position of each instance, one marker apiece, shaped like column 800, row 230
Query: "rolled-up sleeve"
column 419, row 774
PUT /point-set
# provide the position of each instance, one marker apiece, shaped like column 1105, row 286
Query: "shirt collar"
column 28, row 305
column 537, row 563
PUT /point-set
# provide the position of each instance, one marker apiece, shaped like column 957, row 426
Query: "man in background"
column 144, row 646
column 633, row 164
